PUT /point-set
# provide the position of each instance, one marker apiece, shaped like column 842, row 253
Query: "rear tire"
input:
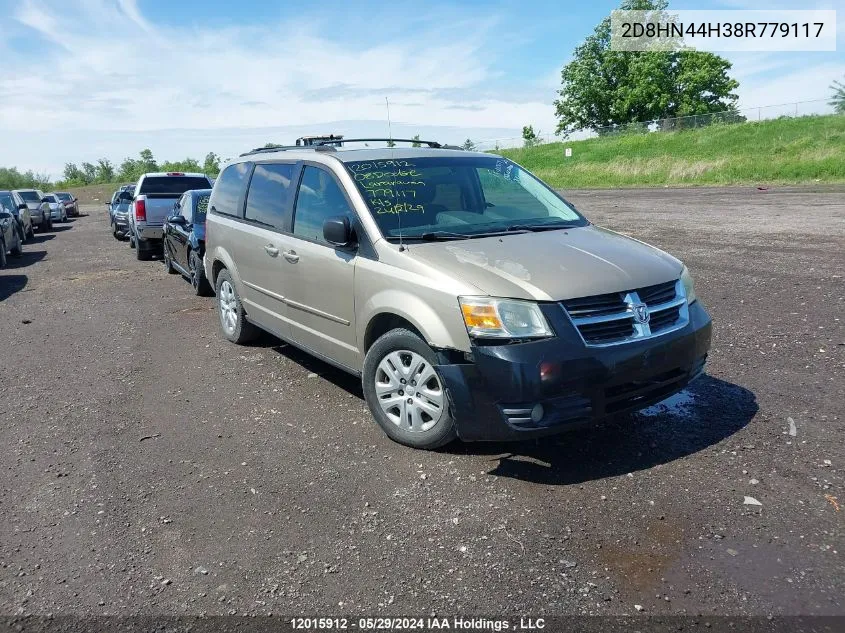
column 165, row 256
column 230, row 312
column 142, row 251
column 31, row 231
column 405, row 393
column 198, row 279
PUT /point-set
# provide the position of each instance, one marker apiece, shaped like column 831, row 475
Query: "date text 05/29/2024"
column 419, row 624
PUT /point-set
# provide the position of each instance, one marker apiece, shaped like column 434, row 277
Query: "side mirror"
column 22, row 206
column 338, row 231
column 45, row 199
column 177, row 219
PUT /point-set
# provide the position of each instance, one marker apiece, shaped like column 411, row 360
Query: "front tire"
column 16, row 249
column 31, row 231
column 405, row 393
column 233, row 323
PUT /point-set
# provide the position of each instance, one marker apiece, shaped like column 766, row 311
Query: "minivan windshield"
column 456, row 197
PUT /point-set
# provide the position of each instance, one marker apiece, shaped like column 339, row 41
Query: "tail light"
column 140, row 211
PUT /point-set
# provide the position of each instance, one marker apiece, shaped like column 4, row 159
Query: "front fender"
column 441, row 325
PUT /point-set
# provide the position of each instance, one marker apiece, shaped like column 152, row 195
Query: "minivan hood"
column 551, row 265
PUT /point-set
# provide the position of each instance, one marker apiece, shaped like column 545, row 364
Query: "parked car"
column 119, row 214
column 184, row 239
column 14, row 203
column 39, row 210
column 10, row 237
column 57, row 208
column 471, row 298
column 71, row 203
column 155, row 195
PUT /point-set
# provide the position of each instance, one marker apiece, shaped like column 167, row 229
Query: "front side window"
column 319, row 199
column 467, row 196
column 269, row 194
column 228, row 188
column 185, row 208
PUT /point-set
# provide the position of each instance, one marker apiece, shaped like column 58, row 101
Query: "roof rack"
column 432, row 144
column 285, row 148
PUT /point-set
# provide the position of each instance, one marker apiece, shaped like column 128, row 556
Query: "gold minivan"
column 472, row 299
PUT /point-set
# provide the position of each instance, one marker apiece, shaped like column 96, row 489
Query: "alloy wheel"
column 228, row 308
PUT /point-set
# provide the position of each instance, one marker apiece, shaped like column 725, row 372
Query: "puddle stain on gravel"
column 681, row 405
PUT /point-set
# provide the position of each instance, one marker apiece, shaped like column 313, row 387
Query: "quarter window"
column 269, row 194
column 228, row 189
column 319, row 199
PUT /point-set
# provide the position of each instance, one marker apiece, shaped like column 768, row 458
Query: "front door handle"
column 291, row 256
column 271, row 250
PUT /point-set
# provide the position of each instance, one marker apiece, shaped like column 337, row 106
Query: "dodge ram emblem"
column 641, row 313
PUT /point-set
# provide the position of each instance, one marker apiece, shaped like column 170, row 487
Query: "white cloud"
column 144, row 76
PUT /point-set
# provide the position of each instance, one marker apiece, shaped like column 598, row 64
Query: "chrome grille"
column 611, row 319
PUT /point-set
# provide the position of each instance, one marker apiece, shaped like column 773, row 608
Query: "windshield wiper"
column 430, row 236
column 442, row 235
column 539, row 227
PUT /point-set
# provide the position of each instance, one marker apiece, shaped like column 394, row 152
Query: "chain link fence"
column 672, row 124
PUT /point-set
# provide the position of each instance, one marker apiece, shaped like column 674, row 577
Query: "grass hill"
column 804, row 150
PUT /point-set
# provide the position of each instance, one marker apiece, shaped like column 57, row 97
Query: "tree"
column 391, row 142
column 838, row 98
column 602, row 88
column 148, row 163
column 530, row 138
column 416, row 139
column 129, row 170
column 211, row 166
column 73, row 174
column 105, row 170
column 89, row 173
column 468, row 145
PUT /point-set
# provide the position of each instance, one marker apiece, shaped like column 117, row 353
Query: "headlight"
column 689, row 286
column 486, row 317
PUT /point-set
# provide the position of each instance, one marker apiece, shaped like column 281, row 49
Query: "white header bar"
column 726, row 30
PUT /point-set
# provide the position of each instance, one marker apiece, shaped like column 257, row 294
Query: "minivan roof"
column 346, row 155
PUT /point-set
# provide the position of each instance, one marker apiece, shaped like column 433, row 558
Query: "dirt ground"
column 150, row 467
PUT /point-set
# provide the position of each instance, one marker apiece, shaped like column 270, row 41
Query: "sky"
column 85, row 79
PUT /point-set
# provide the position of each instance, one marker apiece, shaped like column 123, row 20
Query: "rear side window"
column 201, row 208
column 319, row 199
column 269, row 194
column 172, row 185
column 228, row 188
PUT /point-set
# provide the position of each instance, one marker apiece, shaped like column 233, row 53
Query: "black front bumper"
column 492, row 396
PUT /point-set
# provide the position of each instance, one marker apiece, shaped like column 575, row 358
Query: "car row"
column 471, row 299
column 24, row 210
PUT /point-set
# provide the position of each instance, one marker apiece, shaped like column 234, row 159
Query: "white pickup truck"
column 155, row 195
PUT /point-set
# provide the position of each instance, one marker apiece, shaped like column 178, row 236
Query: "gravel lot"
column 151, row 467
